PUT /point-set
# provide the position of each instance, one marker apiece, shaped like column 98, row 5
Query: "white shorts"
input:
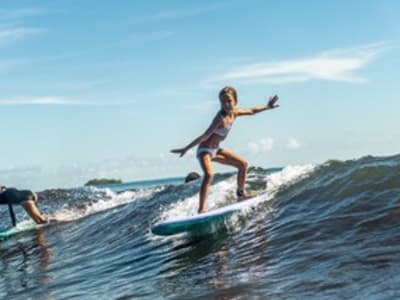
column 213, row 151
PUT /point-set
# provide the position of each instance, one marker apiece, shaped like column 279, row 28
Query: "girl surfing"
column 209, row 150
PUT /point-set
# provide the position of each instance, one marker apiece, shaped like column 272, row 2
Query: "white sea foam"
column 109, row 201
column 222, row 190
column 287, row 176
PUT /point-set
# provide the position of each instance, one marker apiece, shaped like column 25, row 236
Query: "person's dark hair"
column 191, row 177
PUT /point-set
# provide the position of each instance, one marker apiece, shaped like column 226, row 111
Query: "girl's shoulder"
column 225, row 114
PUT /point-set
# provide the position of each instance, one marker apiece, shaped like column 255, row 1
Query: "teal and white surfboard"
column 6, row 233
column 200, row 222
column 56, row 217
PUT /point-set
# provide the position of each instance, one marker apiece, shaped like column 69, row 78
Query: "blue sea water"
column 328, row 231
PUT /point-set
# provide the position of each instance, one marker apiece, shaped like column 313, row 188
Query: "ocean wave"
column 325, row 232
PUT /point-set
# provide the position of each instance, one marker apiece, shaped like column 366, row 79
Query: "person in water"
column 209, row 150
column 192, row 176
column 27, row 199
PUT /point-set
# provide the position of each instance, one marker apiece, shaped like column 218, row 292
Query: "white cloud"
column 13, row 34
column 19, row 13
column 12, row 64
column 37, row 101
column 337, row 65
column 10, row 29
column 293, row 144
column 50, row 100
column 20, row 177
column 262, row 145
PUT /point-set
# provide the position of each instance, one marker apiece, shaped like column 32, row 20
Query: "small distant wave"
column 73, row 204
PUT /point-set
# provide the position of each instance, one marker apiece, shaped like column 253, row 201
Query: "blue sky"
column 106, row 88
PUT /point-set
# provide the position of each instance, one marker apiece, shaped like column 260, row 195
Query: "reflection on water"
column 222, row 265
column 25, row 263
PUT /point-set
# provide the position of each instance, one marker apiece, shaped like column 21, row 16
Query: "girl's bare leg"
column 229, row 158
column 205, row 163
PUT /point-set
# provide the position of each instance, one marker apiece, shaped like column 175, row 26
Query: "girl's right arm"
column 215, row 123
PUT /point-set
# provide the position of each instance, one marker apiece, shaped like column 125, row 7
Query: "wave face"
column 323, row 232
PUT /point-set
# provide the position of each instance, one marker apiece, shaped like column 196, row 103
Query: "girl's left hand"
column 272, row 102
column 181, row 152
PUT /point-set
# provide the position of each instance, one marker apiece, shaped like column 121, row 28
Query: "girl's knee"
column 243, row 165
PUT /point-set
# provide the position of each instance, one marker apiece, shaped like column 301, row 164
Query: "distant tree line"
column 103, row 181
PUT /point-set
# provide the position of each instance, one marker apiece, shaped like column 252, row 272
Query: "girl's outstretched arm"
column 215, row 123
column 254, row 110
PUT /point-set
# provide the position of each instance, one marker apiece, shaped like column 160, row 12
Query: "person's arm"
column 33, row 211
column 215, row 123
column 254, row 110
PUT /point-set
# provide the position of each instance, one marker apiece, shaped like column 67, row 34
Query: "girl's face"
column 228, row 102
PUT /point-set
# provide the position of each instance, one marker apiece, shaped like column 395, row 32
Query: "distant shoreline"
column 103, row 181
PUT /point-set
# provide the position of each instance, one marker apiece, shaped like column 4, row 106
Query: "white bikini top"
column 223, row 131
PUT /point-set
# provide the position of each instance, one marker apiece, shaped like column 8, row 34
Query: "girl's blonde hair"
column 228, row 90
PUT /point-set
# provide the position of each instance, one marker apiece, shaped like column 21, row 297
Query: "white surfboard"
column 199, row 222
